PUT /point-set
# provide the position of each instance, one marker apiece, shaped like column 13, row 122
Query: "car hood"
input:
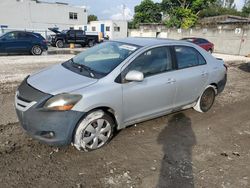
column 57, row 79
column 55, row 30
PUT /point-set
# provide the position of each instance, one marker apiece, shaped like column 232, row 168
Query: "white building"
column 40, row 15
column 110, row 28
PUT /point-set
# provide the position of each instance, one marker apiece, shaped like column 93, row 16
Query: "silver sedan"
column 114, row 85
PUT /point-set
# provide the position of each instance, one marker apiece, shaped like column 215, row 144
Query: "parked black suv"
column 73, row 36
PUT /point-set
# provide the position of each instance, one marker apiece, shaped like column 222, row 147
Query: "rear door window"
column 25, row 36
column 71, row 33
column 201, row 59
column 79, row 33
column 188, row 57
column 204, row 41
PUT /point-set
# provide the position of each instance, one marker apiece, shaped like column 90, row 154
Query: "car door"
column 80, row 37
column 9, row 42
column 2, row 48
column 24, row 42
column 156, row 93
column 71, row 36
column 191, row 76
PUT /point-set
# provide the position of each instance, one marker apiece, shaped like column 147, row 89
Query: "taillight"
column 225, row 66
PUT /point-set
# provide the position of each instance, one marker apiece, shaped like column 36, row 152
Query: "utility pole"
column 123, row 11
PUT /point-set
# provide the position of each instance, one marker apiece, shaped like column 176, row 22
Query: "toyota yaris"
column 114, row 85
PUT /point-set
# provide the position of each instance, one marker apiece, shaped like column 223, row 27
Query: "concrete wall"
column 28, row 14
column 235, row 42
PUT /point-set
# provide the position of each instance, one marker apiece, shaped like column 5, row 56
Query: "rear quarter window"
column 37, row 35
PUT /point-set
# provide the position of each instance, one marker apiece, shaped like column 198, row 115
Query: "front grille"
column 22, row 99
column 22, row 104
column 27, row 96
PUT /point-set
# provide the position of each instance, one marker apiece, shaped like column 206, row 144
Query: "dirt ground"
column 185, row 149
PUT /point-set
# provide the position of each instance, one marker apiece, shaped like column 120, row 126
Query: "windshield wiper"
column 81, row 67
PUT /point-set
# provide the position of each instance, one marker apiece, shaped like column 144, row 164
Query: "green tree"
column 247, row 3
column 218, row 8
column 183, row 13
column 146, row 12
column 246, row 9
column 92, row 17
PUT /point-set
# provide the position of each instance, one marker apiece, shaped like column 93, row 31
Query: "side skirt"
column 184, row 107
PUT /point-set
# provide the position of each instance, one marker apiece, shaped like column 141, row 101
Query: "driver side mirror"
column 134, row 76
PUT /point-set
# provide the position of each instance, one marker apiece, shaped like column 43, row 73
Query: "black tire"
column 91, row 43
column 88, row 131
column 206, row 100
column 210, row 51
column 59, row 44
column 83, row 45
column 36, row 50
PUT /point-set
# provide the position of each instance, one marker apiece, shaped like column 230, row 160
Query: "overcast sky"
column 112, row 9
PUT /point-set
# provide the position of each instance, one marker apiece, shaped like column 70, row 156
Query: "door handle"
column 171, row 81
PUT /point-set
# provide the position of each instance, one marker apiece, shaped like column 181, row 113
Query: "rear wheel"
column 94, row 131
column 59, row 44
column 206, row 100
column 36, row 50
column 91, row 43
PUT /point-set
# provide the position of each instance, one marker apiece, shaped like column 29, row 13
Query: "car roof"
column 195, row 38
column 17, row 31
column 142, row 41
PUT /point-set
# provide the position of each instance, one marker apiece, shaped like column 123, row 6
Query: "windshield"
column 188, row 39
column 103, row 58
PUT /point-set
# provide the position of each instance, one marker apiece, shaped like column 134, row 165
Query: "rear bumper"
column 221, row 84
column 45, row 47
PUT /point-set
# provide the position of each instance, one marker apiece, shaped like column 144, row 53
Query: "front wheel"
column 36, row 50
column 94, row 131
column 206, row 100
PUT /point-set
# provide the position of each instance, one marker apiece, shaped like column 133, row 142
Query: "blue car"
column 22, row 42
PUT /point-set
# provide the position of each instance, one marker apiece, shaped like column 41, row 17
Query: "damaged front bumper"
column 50, row 127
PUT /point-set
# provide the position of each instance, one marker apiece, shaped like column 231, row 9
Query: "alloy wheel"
column 59, row 44
column 96, row 134
column 36, row 50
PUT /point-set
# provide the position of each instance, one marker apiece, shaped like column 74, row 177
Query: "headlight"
column 62, row 102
